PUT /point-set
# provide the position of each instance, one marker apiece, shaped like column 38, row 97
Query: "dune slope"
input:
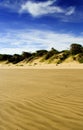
column 39, row 99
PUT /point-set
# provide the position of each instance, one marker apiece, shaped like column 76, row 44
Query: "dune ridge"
column 41, row 99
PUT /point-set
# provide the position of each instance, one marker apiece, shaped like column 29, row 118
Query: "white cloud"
column 71, row 10
column 32, row 40
column 11, row 5
column 10, row 50
column 37, row 9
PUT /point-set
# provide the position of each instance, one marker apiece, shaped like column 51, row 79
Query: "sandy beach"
column 41, row 99
column 23, row 65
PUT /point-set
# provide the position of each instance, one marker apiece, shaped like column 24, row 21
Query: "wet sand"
column 41, row 99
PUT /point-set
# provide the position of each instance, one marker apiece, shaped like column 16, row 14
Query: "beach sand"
column 41, row 99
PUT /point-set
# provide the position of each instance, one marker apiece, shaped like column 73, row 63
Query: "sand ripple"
column 56, row 108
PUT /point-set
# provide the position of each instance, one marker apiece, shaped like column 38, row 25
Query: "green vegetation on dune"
column 52, row 56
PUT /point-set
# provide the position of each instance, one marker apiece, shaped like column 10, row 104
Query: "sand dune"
column 38, row 99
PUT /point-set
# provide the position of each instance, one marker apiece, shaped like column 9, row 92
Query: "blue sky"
column 30, row 25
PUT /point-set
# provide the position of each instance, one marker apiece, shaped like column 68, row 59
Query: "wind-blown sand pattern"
column 38, row 99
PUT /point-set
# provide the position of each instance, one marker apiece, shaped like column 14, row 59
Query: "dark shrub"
column 4, row 57
column 40, row 53
column 26, row 55
column 15, row 58
column 75, row 49
column 80, row 58
column 51, row 53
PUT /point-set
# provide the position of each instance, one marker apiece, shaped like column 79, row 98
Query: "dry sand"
column 39, row 99
column 23, row 65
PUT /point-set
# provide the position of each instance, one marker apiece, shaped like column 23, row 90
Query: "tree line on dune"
column 76, row 51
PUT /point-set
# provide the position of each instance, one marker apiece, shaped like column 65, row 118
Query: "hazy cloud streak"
column 32, row 40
